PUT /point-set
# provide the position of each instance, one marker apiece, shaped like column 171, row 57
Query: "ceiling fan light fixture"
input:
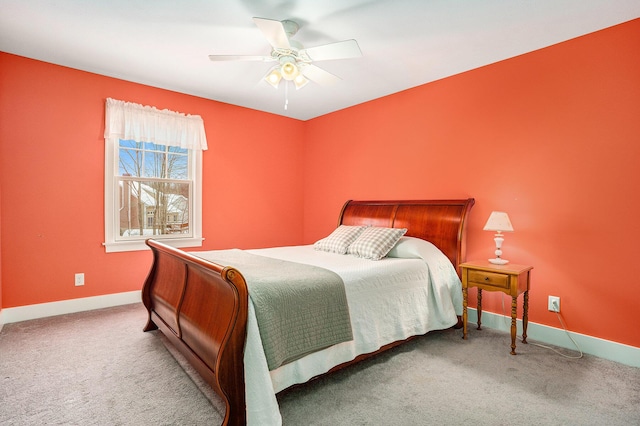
column 294, row 62
column 288, row 68
column 273, row 77
column 300, row 81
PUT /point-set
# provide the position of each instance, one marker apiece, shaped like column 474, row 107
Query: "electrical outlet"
column 554, row 304
column 79, row 279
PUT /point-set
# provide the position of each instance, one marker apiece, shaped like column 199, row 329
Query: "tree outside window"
column 155, row 191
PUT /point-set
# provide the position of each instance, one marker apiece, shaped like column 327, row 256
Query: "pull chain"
column 286, row 95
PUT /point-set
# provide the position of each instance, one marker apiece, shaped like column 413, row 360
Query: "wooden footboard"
column 202, row 309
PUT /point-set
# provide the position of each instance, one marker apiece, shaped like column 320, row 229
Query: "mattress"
column 412, row 291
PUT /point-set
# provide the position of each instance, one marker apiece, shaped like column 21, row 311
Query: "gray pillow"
column 339, row 239
column 375, row 242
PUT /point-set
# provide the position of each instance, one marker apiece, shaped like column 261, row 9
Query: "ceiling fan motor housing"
column 290, row 27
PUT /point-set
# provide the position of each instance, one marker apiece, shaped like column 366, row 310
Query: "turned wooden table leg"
column 479, row 308
column 525, row 316
column 464, row 312
column 506, row 278
column 514, row 305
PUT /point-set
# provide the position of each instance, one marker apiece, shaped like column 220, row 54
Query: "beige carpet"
column 99, row 368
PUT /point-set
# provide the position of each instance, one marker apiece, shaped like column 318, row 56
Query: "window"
column 152, row 189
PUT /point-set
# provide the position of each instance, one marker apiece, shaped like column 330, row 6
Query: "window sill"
column 138, row 245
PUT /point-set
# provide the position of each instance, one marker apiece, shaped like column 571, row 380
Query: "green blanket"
column 300, row 308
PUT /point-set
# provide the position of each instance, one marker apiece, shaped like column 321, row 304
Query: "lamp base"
column 498, row 261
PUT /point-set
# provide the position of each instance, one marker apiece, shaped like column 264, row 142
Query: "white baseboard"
column 538, row 333
column 41, row 310
column 606, row 349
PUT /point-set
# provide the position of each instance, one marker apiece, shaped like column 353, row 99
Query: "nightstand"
column 510, row 279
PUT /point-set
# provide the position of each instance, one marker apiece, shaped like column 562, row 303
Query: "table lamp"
column 498, row 222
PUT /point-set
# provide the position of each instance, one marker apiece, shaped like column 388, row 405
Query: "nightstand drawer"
column 488, row 278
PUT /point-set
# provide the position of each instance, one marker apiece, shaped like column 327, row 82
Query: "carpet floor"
column 99, row 368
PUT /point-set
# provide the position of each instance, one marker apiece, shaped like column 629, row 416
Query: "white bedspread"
column 412, row 293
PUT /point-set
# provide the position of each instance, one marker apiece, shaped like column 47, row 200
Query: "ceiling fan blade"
column 240, row 58
column 274, row 32
column 340, row 50
column 318, row 75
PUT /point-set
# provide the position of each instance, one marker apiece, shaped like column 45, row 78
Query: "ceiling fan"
column 294, row 62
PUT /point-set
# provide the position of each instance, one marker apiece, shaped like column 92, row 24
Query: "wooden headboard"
column 442, row 222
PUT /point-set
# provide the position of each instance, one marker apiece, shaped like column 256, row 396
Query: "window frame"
column 112, row 241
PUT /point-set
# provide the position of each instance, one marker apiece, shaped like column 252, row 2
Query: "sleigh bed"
column 205, row 310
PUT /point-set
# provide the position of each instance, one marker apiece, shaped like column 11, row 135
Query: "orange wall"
column 0, row 220
column 551, row 137
column 52, row 174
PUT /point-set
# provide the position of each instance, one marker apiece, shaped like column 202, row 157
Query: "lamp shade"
column 498, row 221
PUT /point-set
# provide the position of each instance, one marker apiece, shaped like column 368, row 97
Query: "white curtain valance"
column 129, row 121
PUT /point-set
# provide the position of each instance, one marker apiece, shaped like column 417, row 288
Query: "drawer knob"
column 486, row 278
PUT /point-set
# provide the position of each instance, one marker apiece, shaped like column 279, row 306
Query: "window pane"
column 151, row 208
column 130, row 162
column 178, row 150
column 177, row 166
column 149, row 146
column 130, row 158
column 130, row 144
column 154, row 164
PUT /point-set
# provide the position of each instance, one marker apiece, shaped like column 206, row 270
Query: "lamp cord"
column 504, row 316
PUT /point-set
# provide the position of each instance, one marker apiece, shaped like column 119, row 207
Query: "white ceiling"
column 405, row 43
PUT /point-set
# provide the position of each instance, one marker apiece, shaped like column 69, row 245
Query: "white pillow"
column 375, row 242
column 339, row 239
column 439, row 264
column 413, row 248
